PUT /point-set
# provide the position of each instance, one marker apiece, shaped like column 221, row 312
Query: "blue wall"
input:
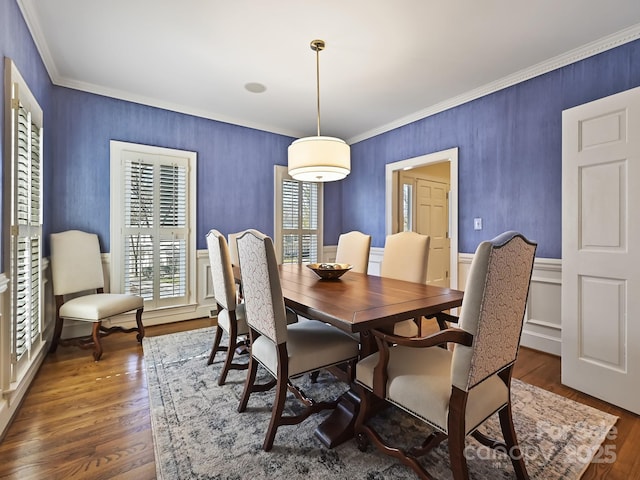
column 234, row 175
column 510, row 153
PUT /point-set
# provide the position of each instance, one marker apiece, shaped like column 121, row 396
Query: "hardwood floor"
column 82, row 419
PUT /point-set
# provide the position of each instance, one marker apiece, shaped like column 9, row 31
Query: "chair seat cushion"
column 223, row 320
column 420, row 383
column 100, row 306
column 311, row 345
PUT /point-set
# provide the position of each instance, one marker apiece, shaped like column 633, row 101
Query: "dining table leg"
column 338, row 427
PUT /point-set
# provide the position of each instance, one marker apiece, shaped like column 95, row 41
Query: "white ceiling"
column 386, row 62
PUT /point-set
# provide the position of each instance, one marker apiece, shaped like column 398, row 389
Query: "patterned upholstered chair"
column 76, row 271
column 284, row 350
column 455, row 392
column 406, row 256
column 231, row 318
column 353, row 248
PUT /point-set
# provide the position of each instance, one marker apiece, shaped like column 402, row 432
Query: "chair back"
column 493, row 308
column 224, row 286
column 353, row 248
column 233, row 248
column 76, row 264
column 406, row 255
column 264, row 304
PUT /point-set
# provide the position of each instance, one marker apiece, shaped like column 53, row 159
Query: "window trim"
column 280, row 173
column 117, row 250
column 16, row 368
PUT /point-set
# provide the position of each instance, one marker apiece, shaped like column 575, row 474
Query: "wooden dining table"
column 357, row 303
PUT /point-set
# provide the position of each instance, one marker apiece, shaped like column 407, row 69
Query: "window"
column 153, row 212
column 24, row 144
column 407, row 207
column 298, row 232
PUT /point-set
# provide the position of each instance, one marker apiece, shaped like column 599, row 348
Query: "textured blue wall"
column 510, row 153
column 235, row 164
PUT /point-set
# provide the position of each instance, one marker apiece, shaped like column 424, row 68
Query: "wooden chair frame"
column 99, row 331
column 457, row 408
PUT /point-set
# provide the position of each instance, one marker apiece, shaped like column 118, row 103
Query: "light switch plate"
column 477, row 223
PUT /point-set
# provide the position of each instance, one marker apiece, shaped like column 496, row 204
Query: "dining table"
column 358, row 303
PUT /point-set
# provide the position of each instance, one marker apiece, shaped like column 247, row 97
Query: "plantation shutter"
column 155, row 228
column 26, row 228
column 300, row 221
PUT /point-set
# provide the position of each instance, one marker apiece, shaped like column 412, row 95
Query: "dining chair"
column 354, row 248
column 285, row 350
column 233, row 248
column 78, row 288
column 406, row 257
column 455, row 392
column 231, row 315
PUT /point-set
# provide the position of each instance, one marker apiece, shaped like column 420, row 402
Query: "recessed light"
column 255, row 87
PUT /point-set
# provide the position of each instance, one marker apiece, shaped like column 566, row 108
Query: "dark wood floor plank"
column 83, row 419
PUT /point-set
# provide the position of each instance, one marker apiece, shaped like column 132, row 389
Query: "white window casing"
column 23, row 221
column 153, row 220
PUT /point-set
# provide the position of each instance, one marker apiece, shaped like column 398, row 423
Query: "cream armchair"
column 354, row 248
column 456, row 391
column 406, row 257
column 76, row 269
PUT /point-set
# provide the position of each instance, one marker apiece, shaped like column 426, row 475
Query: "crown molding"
column 590, row 49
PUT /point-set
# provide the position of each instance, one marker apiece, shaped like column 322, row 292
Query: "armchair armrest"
column 454, row 335
column 380, row 375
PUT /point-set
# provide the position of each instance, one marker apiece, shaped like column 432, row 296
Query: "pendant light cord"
column 317, row 49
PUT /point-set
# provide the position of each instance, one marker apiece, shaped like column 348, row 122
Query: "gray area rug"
column 198, row 433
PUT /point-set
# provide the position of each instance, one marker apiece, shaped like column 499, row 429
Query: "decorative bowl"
column 330, row 271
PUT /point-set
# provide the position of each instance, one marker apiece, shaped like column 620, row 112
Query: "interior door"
column 432, row 218
column 601, row 249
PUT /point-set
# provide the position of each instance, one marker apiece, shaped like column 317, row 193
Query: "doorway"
column 411, row 178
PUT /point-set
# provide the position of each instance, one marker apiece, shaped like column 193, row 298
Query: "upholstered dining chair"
column 456, row 391
column 231, row 318
column 76, row 268
column 406, row 257
column 285, row 350
column 233, row 248
column 354, row 248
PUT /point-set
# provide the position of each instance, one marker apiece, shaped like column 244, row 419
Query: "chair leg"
column 57, row 332
column 216, row 345
column 97, row 348
column 248, row 384
column 276, row 413
column 140, row 335
column 456, row 432
column 231, row 349
column 513, row 450
column 281, row 396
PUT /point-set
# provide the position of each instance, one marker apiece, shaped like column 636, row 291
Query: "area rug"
column 198, row 433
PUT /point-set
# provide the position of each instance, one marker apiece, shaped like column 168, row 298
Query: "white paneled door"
column 601, row 249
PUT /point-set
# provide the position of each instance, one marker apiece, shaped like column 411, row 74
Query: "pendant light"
column 319, row 159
